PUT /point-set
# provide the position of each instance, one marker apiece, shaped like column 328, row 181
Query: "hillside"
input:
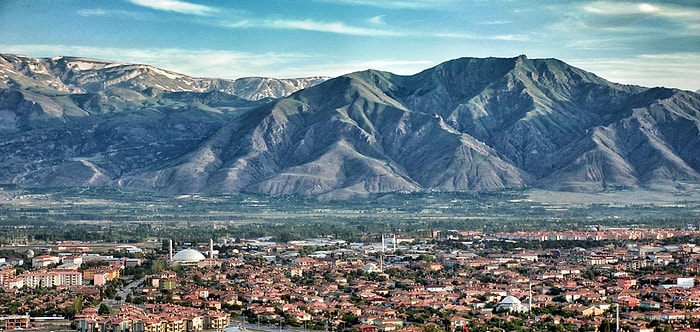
column 466, row 124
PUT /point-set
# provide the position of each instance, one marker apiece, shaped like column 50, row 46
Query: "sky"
column 653, row 43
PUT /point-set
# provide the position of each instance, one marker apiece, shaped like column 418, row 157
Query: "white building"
column 372, row 268
column 51, row 278
column 511, row 303
column 44, row 261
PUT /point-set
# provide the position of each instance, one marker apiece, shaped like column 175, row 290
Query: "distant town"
column 608, row 279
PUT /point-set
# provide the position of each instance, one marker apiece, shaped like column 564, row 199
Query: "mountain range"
column 466, row 124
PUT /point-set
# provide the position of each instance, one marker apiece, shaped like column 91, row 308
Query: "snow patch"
column 169, row 75
column 82, row 65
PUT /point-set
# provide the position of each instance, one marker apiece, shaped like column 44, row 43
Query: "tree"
column 433, row 328
column 605, row 326
column 77, row 306
column 588, row 274
column 350, row 318
column 667, row 328
column 103, row 309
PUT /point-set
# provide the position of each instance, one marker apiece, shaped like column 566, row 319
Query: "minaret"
column 170, row 249
column 381, row 263
column 211, row 248
column 381, row 258
column 383, row 243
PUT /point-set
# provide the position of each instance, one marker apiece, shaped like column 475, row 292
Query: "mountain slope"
column 81, row 75
column 466, row 124
column 71, row 121
column 346, row 136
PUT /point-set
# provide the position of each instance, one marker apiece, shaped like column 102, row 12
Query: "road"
column 123, row 292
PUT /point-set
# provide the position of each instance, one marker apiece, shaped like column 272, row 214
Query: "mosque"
column 512, row 304
column 187, row 256
column 192, row 257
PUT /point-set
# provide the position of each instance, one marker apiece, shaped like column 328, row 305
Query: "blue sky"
column 654, row 43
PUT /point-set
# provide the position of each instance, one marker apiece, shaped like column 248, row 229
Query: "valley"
column 120, row 216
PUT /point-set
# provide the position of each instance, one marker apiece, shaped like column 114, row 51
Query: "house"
column 642, row 328
column 671, row 316
column 410, row 328
column 626, row 283
column 390, row 321
column 202, row 293
column 628, row 301
column 367, row 328
column 217, row 320
column 304, row 262
column 650, row 304
column 586, row 311
column 434, row 267
column 474, row 303
column 457, row 323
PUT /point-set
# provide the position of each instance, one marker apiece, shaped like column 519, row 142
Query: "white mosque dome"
column 371, row 268
column 510, row 300
column 511, row 303
column 187, row 256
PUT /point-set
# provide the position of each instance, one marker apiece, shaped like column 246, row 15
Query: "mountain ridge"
column 465, row 124
column 86, row 75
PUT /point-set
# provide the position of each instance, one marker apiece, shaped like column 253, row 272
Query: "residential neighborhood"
column 634, row 280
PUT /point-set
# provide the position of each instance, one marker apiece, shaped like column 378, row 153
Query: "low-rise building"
column 44, row 261
column 15, row 322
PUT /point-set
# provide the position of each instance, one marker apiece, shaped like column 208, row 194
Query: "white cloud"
column 93, row 12
column 599, row 44
column 311, row 25
column 378, row 20
column 99, row 12
column 688, row 14
column 518, row 38
column 176, row 6
column 471, row 36
column 332, row 27
column 670, row 70
column 241, row 24
column 496, row 22
column 395, row 4
column 337, row 67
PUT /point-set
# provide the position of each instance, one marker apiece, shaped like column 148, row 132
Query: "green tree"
column 103, row 309
column 350, row 318
column 605, row 326
column 433, row 328
column 667, row 328
column 77, row 306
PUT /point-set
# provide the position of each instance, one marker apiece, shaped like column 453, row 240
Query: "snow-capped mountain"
column 81, row 75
